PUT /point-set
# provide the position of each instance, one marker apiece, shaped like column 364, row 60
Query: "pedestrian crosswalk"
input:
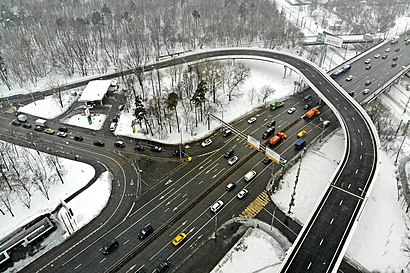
column 256, row 206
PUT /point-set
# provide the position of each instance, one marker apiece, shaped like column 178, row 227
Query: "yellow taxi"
column 180, row 237
column 302, row 133
column 49, row 131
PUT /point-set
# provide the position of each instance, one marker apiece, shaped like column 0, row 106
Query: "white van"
column 249, row 176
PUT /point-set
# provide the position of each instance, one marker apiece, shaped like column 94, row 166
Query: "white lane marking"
column 341, row 202
column 80, row 265
column 331, row 221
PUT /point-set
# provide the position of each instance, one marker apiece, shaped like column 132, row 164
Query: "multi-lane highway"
column 182, row 203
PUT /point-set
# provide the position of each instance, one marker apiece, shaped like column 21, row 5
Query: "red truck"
column 311, row 113
column 276, row 139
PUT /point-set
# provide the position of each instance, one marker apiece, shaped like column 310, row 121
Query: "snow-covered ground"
column 77, row 176
column 383, row 225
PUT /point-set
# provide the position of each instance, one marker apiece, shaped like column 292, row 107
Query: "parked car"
column 38, row 128
column 109, row 247
column 232, row 160
column 226, row 133
column 145, row 232
column 291, row 110
column 49, row 131
column 230, row 186
column 179, row 238
column 251, row 120
column 119, row 144
column 206, row 142
column 63, row 129
column 242, row 193
column 99, row 143
column 16, row 123
column 27, row 125
column 62, row 134
column 156, row 149
column 217, row 206
column 78, row 138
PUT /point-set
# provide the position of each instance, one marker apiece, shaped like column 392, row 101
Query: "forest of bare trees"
column 73, row 37
column 23, row 172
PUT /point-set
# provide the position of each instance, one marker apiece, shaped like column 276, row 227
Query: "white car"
column 349, row 78
column 291, row 110
column 206, row 142
column 366, row 91
column 377, row 56
column 251, row 120
column 113, row 126
column 387, row 49
column 242, row 193
column 367, row 61
column 232, row 160
column 62, row 134
column 217, row 206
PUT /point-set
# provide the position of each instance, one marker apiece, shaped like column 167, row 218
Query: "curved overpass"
column 323, row 240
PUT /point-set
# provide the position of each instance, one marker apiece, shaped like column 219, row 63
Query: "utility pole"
column 292, row 197
column 401, row 145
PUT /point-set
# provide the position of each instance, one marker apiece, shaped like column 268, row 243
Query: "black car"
column 271, row 123
column 99, row 143
column 38, row 128
column 393, row 64
column 156, row 149
column 162, row 267
column 63, row 129
column 138, row 147
column 78, row 138
column 368, row 82
column 229, row 153
column 397, row 49
column 368, row 67
column 115, row 118
column 385, row 56
column 307, row 97
column 27, row 125
column 177, row 151
column 266, row 160
column 109, row 247
column 226, row 133
column 145, row 232
column 395, row 58
column 16, row 123
column 269, row 132
column 306, row 106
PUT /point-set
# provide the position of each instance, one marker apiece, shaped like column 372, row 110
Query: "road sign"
column 272, row 155
column 333, row 40
column 253, row 143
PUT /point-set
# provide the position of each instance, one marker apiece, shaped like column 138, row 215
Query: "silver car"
column 232, row 160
